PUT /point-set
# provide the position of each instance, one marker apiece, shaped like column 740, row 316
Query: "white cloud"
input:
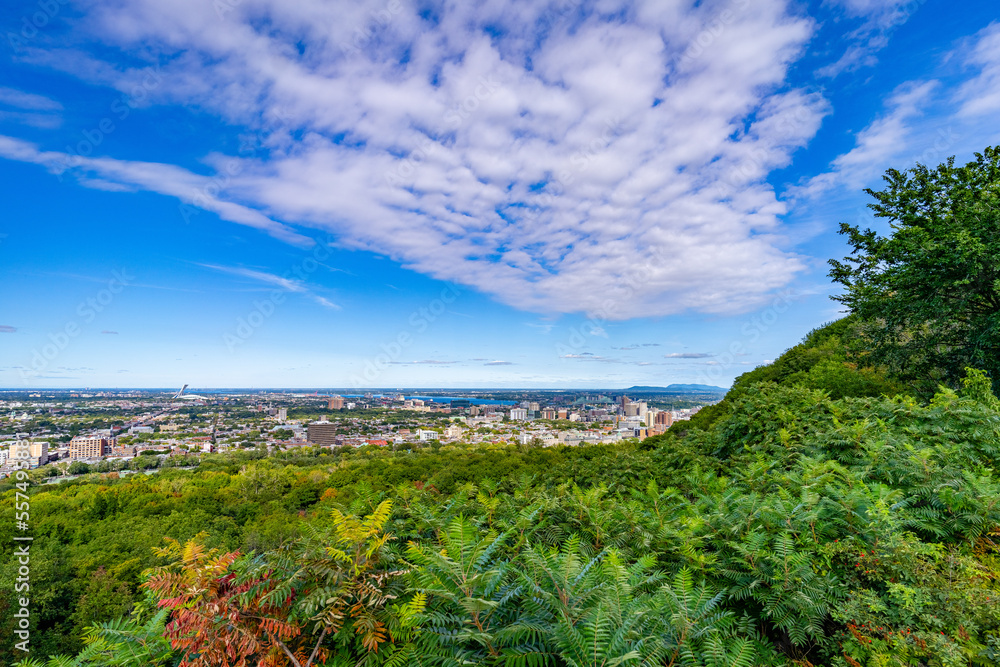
column 543, row 329
column 924, row 122
column 572, row 162
column 431, row 362
column 880, row 20
column 111, row 174
column 281, row 282
column 22, row 100
column 885, row 138
column 981, row 94
column 29, row 109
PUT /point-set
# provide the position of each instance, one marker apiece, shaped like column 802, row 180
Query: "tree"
column 105, row 598
column 260, row 481
column 212, row 624
column 335, row 584
column 326, row 594
column 929, row 294
column 78, row 468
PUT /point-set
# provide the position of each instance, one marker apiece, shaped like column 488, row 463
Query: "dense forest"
column 840, row 507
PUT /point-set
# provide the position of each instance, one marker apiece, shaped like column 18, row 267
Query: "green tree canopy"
column 929, row 294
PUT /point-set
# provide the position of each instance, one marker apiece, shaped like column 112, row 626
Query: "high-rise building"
column 39, row 451
column 664, row 417
column 282, row 414
column 518, row 414
column 335, row 403
column 321, row 433
column 548, row 413
column 89, row 447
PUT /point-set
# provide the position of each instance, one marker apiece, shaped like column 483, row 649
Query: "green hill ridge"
column 840, row 507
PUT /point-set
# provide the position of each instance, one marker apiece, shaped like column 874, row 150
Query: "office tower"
column 321, row 433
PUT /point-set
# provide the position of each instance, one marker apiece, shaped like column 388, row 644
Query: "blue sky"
column 426, row 194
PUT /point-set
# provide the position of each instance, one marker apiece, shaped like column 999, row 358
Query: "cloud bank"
column 559, row 156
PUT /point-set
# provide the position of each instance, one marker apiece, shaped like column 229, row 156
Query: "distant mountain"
column 678, row 389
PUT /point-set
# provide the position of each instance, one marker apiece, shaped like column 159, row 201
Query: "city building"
column 322, row 433
column 548, row 413
column 282, row 414
column 518, row 414
column 335, row 403
column 90, row 447
column 38, row 453
column 665, row 418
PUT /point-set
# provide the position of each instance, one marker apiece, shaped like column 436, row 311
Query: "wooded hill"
column 839, row 507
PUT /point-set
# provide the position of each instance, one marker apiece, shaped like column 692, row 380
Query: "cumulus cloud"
column 687, row 355
column 556, row 160
column 499, row 363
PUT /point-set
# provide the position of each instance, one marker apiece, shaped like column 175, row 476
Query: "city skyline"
column 391, row 194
